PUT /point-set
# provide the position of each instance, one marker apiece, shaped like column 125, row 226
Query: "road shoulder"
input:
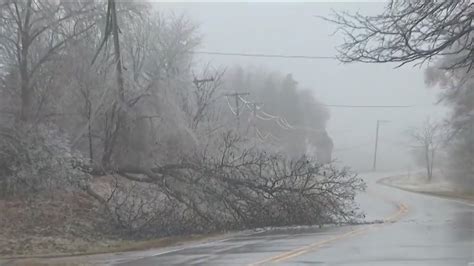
column 417, row 183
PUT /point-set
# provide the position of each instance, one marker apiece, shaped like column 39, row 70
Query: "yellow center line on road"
column 402, row 209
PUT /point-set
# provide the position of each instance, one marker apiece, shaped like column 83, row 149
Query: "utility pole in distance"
column 236, row 95
column 255, row 107
column 374, row 167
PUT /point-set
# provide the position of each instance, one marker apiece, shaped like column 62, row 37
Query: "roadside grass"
column 123, row 246
column 469, row 196
column 76, row 259
column 424, row 187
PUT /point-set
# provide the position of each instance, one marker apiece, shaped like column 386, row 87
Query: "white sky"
column 293, row 29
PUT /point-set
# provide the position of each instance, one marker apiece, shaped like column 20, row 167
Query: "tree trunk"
column 117, row 115
column 432, row 163
column 26, row 90
column 89, row 118
column 26, row 93
column 118, row 57
column 428, row 162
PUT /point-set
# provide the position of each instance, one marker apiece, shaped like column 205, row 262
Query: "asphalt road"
column 418, row 230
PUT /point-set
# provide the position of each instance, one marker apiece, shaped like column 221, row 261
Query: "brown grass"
column 453, row 194
column 76, row 259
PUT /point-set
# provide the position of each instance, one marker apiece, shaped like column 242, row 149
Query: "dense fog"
column 135, row 120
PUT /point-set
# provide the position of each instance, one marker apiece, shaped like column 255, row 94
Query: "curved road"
column 418, row 230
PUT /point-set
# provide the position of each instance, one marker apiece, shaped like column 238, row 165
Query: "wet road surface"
column 418, row 230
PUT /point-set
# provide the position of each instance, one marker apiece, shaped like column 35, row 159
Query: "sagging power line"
column 258, row 113
column 368, row 106
column 310, row 57
column 236, row 95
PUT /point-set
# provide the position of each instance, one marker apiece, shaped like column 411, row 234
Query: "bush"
column 37, row 159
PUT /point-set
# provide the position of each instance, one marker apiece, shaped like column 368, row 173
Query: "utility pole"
column 374, row 167
column 236, row 95
column 255, row 107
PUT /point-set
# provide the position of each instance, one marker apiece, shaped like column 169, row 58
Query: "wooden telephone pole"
column 255, row 107
column 374, row 167
column 237, row 95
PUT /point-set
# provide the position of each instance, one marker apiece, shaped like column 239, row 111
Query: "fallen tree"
column 231, row 187
column 235, row 189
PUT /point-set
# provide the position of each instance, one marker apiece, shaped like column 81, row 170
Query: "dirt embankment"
column 62, row 230
column 64, row 224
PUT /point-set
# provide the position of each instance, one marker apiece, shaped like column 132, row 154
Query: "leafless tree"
column 429, row 137
column 409, row 31
column 32, row 32
column 115, row 115
column 457, row 93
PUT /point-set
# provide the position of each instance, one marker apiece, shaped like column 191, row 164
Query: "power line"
column 363, row 145
column 264, row 137
column 368, row 106
column 254, row 107
column 265, row 55
column 230, row 106
column 263, row 118
column 236, row 95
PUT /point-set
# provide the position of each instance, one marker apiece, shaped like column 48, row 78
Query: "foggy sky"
column 293, row 29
